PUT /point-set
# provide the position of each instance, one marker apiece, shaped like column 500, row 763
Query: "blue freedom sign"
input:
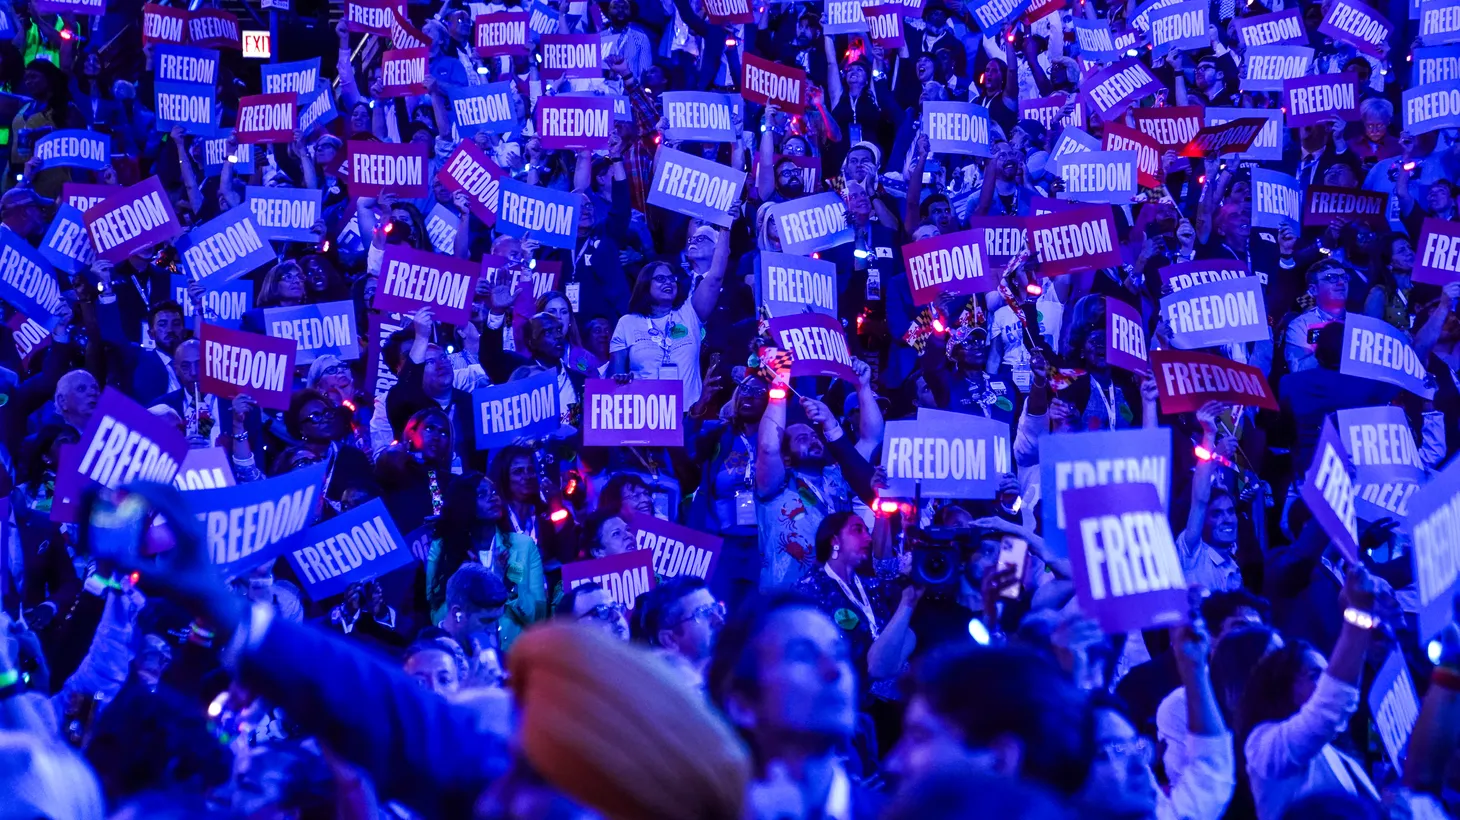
column 185, row 64
column 1215, row 313
column 700, row 115
column 356, row 546
column 1375, row 349
column 188, row 105
column 226, row 247
column 257, row 521
column 483, row 108
column 27, row 281
column 812, row 223
column 322, row 329
column 216, row 153
column 695, row 186
column 1276, row 200
column 949, row 455
column 67, row 245
column 1097, row 458
column 551, row 216
column 1434, row 521
column 300, row 77
column 223, row 306
column 1435, row 64
column 317, row 109
column 285, row 214
column 525, row 408
column 75, row 148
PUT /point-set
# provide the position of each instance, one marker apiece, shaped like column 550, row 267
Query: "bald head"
column 185, row 362
column 76, row 395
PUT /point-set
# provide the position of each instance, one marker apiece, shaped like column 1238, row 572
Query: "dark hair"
column 659, row 608
column 164, row 306
column 733, row 669
column 1234, row 658
column 589, row 532
column 297, row 400
column 37, row 446
column 956, row 791
column 457, row 526
column 611, row 497
column 1219, row 606
column 391, row 350
column 1009, row 691
column 335, row 287
column 1268, row 697
column 566, row 604
column 475, row 586
column 830, row 527
column 639, row 299
column 502, row 467
column 418, row 419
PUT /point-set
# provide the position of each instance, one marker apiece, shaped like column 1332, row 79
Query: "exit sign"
column 256, row 44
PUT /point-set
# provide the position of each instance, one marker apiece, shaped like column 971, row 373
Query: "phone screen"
column 116, row 528
column 1012, row 553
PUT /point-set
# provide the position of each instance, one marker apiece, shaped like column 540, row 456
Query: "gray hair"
column 1377, row 108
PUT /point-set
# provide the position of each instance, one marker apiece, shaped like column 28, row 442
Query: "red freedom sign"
column 1187, row 380
column 267, row 118
column 1325, row 204
column 884, row 25
column 1437, row 256
column 624, row 577
column 1081, row 238
column 1171, row 127
column 161, row 24
column 403, row 72
column 503, row 33
column 1232, row 137
column 1125, row 335
column 470, row 169
column 237, row 363
column 376, row 167
column 371, row 16
column 951, row 263
column 209, row 28
column 763, row 81
column 574, row 123
column 728, row 12
column 1120, row 137
column 412, row 279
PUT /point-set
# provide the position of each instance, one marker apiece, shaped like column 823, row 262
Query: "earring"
column 835, row 548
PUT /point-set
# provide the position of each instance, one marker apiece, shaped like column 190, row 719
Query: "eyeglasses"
column 334, row 370
column 605, row 612
column 708, row 612
column 317, row 417
column 292, row 273
column 662, row 279
column 1119, row 751
column 1334, row 276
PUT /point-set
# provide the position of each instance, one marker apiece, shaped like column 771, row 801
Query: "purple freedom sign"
column 818, row 344
column 122, row 443
column 1127, row 573
column 677, row 550
column 1375, row 349
column 134, row 218
column 644, row 411
column 624, row 577
column 1438, row 252
column 1434, row 519
column 694, row 186
column 1329, row 491
column 1217, row 313
column 1125, row 337
column 1380, row 444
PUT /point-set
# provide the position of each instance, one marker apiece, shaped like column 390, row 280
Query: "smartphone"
column 116, row 527
column 1013, row 551
column 927, row 177
column 1313, row 334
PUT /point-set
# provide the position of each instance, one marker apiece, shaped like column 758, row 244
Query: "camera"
column 941, row 556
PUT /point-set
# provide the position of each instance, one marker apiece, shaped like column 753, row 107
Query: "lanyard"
column 1109, row 402
column 749, row 461
column 530, row 530
column 145, row 293
column 863, row 603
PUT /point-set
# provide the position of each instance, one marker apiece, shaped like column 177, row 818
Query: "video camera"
column 941, row 556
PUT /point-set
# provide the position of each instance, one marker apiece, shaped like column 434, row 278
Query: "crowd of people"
column 489, row 602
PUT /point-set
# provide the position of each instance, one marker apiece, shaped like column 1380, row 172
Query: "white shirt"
column 655, row 353
column 1289, row 759
column 172, row 382
column 1207, row 566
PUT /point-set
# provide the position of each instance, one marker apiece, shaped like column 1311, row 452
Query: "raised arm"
column 770, row 470
column 707, row 292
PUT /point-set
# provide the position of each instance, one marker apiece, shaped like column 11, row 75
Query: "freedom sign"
column 1232, row 137
column 552, row 216
column 1329, row 491
column 700, row 116
column 884, row 25
column 412, row 279
column 1434, row 519
column 285, row 214
column 817, row 343
column 1437, row 253
column 1227, row 311
column 1126, row 569
column 1122, row 138
column 812, row 223
column 204, row 468
column 370, row 16
column 1268, row 67
column 1358, row 24
column 1395, row 707
column 189, row 105
column 624, row 577
column 321, row 329
column 570, row 56
column 1276, row 199
column 122, row 443
column 236, row 362
column 644, row 411
column 136, row 217
column 403, row 72
column 991, row 14
column 1319, row 98
column 501, row 34
column 1279, row 28
column 1113, row 90
column 210, row 28
column 223, row 306
column 1073, row 461
column 1431, row 107
column 1374, row 349
column 765, row 81
column 299, row 77
column 161, row 24
column 26, row 280
column 1095, row 40
column 469, row 169
column 485, row 108
column 1126, row 335
column 317, row 109
column 957, row 128
column 524, row 408
column 1081, row 238
column 226, row 247
column 844, row 17
column 1100, row 176
column 1268, row 145
column 1074, row 140
column 66, row 245
column 728, row 12
column 353, row 546
column 1435, row 64
column 948, row 263
column 573, row 123
column 1171, row 127
column 695, row 186
column 1183, row 275
column 257, row 521
column 1326, row 203
column 377, row 167
column 1179, row 27
column 1044, row 110
column 677, row 550
column 791, row 284
column 1439, row 21
column 1004, row 237
column 1187, row 380
column 1380, row 444
column 74, row 148
column 942, row 457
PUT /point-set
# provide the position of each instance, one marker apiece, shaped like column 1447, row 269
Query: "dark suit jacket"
column 254, row 422
column 48, row 574
column 32, row 394
column 138, row 372
column 407, row 398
